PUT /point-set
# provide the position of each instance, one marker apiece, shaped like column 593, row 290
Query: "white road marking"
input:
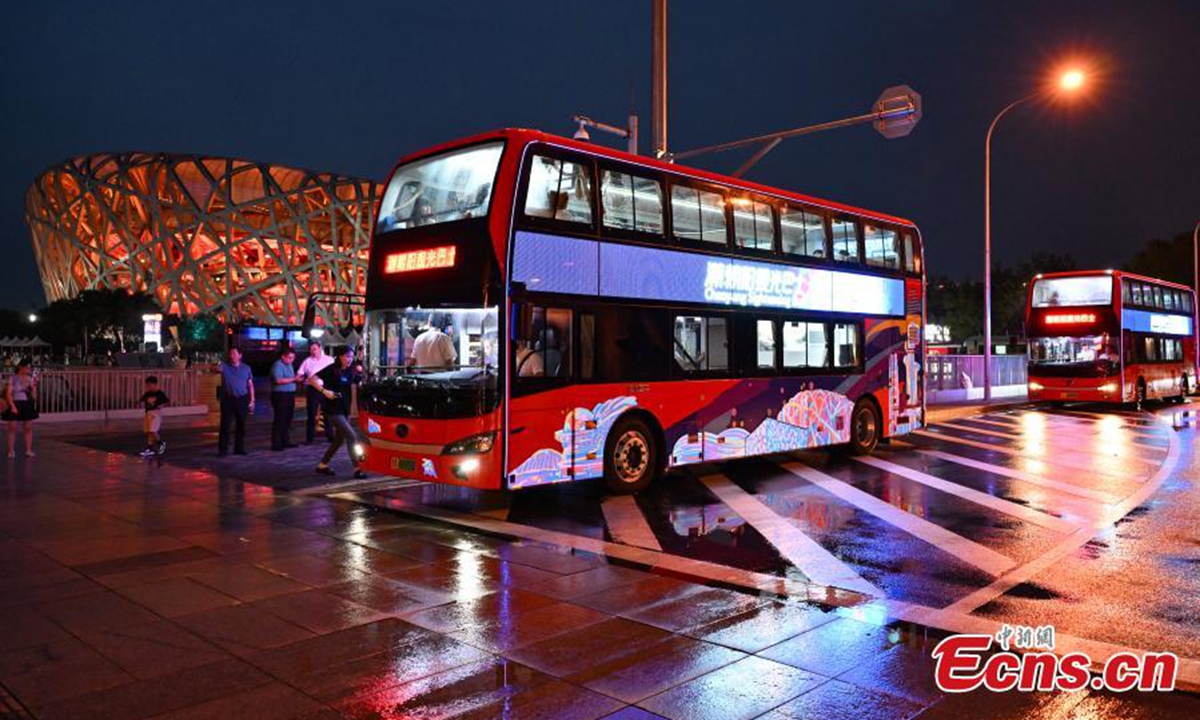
column 1009, row 430
column 1059, row 459
column 367, row 485
column 627, row 524
column 960, row 547
column 1025, row 438
column 1084, row 492
column 817, row 563
column 1027, row 514
column 1072, row 542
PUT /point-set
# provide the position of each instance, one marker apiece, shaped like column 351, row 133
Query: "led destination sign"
column 550, row 263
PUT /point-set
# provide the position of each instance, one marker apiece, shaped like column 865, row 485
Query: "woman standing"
column 20, row 396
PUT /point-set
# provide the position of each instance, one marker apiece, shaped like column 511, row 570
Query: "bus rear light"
column 1070, row 318
column 413, row 260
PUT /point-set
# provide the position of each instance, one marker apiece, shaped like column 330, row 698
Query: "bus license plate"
column 1070, row 395
column 404, row 464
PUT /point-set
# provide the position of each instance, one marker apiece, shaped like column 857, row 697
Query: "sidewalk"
column 947, row 412
column 133, row 589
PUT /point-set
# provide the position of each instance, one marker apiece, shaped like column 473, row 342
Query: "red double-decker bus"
column 1110, row 336
column 541, row 310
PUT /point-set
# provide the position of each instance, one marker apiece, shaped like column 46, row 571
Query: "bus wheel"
column 864, row 428
column 630, row 457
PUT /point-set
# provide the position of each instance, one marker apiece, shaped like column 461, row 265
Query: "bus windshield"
column 452, row 186
column 439, row 343
column 1099, row 352
column 1071, row 291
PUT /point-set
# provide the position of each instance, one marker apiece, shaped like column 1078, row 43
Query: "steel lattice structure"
column 246, row 241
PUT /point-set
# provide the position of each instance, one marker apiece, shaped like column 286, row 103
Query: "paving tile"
column 312, row 570
column 508, row 632
column 575, row 651
column 168, row 693
column 42, row 592
column 832, row 648
column 177, row 596
column 95, row 611
column 21, row 626
column 151, row 649
column 247, row 582
column 421, row 657
column 371, row 560
column 762, row 626
column 148, row 560
column 631, row 597
column 559, row 561
column 651, row 670
column 694, row 608
column 448, row 580
column 553, row 700
column 836, row 700
column 87, row 551
column 632, row 712
column 313, row 654
column 274, row 701
column 500, row 606
column 905, row 671
column 589, row 582
column 243, row 629
column 319, row 611
column 467, row 688
column 388, row 595
column 41, row 674
column 746, row 689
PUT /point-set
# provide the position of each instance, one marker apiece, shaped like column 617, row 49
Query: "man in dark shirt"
column 237, row 402
column 336, row 384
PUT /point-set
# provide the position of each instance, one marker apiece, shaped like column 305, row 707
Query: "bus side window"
column 845, row 240
column 764, row 331
column 698, row 214
column 545, row 349
column 701, row 343
column 912, row 256
column 845, row 345
column 631, row 202
column 803, row 232
column 881, row 247
column 559, row 190
column 753, row 224
column 1136, row 293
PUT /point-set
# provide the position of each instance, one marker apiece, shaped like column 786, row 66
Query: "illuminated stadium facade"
column 246, row 241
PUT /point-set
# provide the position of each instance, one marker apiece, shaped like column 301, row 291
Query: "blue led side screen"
column 551, row 263
column 1153, row 322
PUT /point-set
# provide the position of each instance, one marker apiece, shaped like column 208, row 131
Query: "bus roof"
column 1114, row 273
column 525, row 136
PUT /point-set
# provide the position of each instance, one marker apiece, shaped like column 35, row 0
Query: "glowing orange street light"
column 1070, row 82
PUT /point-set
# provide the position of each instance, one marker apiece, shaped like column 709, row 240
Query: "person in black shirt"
column 336, row 384
column 153, row 401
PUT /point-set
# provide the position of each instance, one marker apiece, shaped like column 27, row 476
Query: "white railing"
column 90, row 390
column 954, row 378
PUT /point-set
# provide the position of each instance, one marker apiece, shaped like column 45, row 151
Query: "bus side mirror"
column 310, row 315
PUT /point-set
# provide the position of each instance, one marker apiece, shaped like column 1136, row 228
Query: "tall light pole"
column 1068, row 82
column 658, row 78
column 1196, row 296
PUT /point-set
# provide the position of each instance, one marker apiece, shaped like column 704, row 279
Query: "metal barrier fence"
column 81, row 390
column 959, row 372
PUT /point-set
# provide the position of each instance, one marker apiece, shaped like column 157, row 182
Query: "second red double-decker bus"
column 541, row 310
column 1110, row 336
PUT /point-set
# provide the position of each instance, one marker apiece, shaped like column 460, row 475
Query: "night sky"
column 351, row 86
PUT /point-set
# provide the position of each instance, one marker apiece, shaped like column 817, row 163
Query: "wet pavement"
column 811, row 584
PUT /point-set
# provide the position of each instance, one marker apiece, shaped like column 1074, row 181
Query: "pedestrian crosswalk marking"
column 1027, row 514
column 817, row 563
column 1065, row 487
column 966, row 550
column 1016, row 432
column 1059, row 459
column 627, row 524
column 1028, row 439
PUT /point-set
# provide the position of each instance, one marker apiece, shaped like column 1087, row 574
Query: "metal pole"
column 658, row 77
column 633, row 133
column 1196, row 297
column 987, row 247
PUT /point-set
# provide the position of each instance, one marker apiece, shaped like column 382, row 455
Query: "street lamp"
column 33, row 317
column 1069, row 83
column 1196, row 296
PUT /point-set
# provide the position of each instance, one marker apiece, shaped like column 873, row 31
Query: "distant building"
column 245, row 241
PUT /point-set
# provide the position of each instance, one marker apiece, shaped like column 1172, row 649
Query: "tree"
column 1166, row 259
column 200, row 333
column 101, row 320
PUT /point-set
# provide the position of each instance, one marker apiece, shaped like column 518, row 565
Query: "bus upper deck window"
column 912, row 254
column 698, row 214
column 753, row 224
column 845, row 240
column 802, row 233
column 631, row 202
column 559, row 190
column 882, row 249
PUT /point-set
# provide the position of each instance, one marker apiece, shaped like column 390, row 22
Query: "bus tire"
column 865, row 428
column 630, row 456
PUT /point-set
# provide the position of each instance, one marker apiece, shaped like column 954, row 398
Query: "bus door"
column 544, row 425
